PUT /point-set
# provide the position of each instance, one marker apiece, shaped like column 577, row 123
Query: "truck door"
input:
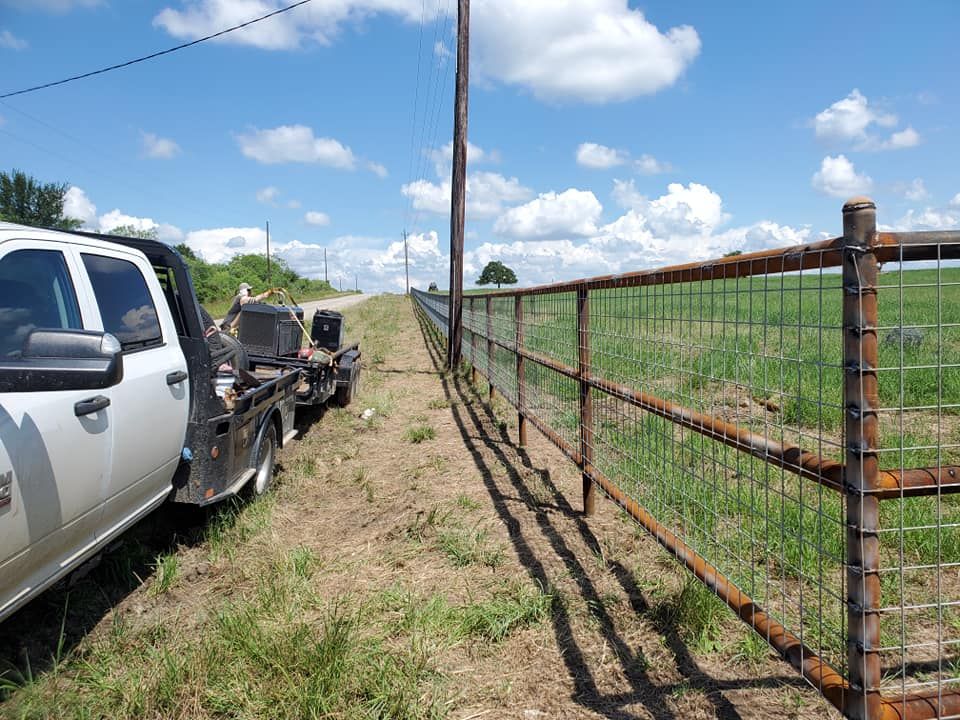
column 53, row 463
column 152, row 402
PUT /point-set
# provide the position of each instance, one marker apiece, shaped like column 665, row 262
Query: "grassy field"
column 765, row 353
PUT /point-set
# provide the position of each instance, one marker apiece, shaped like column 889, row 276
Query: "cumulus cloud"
column 915, row 191
column 377, row 169
column 583, row 50
column 116, row 219
column 683, row 210
column 295, row 144
column 600, row 157
column 158, row 147
column 77, row 205
column 930, row 218
column 572, row 213
column 442, row 157
column 955, row 202
column 10, row 41
column 487, row 193
column 853, row 121
column 268, row 195
column 838, row 177
column 312, row 217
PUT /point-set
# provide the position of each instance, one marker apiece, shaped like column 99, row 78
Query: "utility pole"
column 356, row 283
column 458, row 187
column 340, row 280
column 268, row 253
column 326, row 277
column 406, row 260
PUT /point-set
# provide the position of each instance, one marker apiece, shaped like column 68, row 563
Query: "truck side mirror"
column 63, row 360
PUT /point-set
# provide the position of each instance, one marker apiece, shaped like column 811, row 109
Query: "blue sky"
column 608, row 136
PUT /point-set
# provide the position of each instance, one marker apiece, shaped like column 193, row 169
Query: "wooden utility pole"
column 268, row 253
column 326, row 277
column 458, row 187
column 406, row 260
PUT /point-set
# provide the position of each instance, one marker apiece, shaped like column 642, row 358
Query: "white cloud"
column 600, row 157
column 295, row 144
column 441, row 50
column 77, row 205
column 293, row 204
column 158, row 147
column 54, row 6
column 908, row 137
column 850, row 121
column 268, row 195
column 583, row 50
column 839, row 178
column 220, row 244
column 683, row 210
column 915, row 191
column 956, row 201
column 586, row 50
column 115, row 219
column 11, row 42
column 377, row 169
column 930, row 218
column 649, row 165
column 552, row 215
column 316, row 218
column 487, row 193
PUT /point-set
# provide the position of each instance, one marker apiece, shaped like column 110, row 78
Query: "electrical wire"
column 128, row 63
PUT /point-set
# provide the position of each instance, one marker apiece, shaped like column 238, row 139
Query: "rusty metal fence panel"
column 786, row 423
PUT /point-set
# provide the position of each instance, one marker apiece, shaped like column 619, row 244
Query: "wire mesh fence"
column 786, row 423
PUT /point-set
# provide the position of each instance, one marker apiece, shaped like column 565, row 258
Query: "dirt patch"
column 455, row 543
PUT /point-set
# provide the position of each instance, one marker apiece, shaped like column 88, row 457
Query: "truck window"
column 126, row 307
column 35, row 292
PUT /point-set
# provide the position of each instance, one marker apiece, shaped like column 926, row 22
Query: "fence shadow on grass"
column 483, row 436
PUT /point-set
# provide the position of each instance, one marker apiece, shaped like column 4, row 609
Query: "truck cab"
column 74, row 467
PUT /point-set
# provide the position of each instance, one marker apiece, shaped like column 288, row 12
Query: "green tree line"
column 219, row 281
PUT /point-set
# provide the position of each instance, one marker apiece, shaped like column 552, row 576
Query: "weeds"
column 420, row 433
column 470, row 547
column 167, row 570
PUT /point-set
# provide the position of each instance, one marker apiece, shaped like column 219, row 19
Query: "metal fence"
column 786, row 423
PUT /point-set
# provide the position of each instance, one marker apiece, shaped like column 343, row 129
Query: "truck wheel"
column 266, row 457
column 345, row 392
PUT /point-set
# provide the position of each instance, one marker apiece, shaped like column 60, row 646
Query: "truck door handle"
column 176, row 377
column 91, row 405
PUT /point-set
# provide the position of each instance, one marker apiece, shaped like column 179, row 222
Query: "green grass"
column 420, row 433
column 166, row 572
column 765, row 353
column 470, row 546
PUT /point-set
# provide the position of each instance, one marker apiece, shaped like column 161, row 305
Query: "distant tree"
column 496, row 272
column 432, row 288
column 186, row 251
column 135, row 232
column 733, row 253
column 25, row 200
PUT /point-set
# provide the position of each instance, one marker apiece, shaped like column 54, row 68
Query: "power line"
column 156, row 54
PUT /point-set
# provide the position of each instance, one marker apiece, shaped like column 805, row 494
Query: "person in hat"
column 242, row 297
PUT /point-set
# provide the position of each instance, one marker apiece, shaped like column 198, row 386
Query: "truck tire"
column 345, row 393
column 266, row 458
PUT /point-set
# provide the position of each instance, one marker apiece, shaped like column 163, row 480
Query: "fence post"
column 586, row 404
column 473, row 341
column 490, row 348
column 521, row 382
column 861, row 401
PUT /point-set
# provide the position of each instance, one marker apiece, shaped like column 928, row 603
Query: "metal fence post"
column 473, row 341
column 521, row 383
column 861, row 401
column 586, row 403
column 490, row 347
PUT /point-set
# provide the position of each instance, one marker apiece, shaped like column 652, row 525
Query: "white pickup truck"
column 113, row 399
